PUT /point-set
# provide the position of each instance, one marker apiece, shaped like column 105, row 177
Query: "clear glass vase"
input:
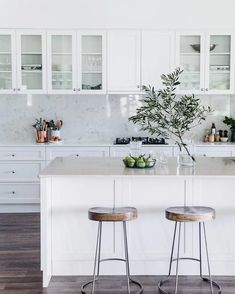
column 186, row 158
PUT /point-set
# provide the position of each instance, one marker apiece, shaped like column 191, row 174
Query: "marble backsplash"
column 87, row 118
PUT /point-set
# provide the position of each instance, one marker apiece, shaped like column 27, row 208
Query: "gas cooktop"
column 145, row 140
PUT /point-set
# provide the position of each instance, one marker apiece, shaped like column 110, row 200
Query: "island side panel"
column 218, row 193
column 46, row 229
column 73, row 235
column 150, row 236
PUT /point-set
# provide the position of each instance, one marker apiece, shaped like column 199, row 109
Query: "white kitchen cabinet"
column 22, row 61
column 53, row 152
column 92, row 62
column 31, row 61
column 19, row 193
column 22, row 153
column 215, row 151
column 62, row 62
column 19, row 182
column 208, row 62
column 156, row 57
column 124, row 61
column 7, row 62
column 76, row 62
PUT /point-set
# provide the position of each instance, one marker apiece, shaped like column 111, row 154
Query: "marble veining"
column 88, row 118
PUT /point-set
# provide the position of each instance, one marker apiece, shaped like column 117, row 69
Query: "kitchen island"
column 70, row 186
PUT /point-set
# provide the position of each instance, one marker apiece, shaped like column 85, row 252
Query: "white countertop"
column 100, row 144
column 66, row 166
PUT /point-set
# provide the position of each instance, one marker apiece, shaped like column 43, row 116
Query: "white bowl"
column 224, row 139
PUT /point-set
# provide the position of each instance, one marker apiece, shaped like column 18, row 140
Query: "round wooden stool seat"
column 110, row 214
column 190, row 213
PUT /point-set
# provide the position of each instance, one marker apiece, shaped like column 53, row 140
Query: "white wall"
column 160, row 14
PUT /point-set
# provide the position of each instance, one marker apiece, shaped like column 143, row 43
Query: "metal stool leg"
column 98, row 268
column 98, row 260
column 126, row 257
column 172, row 249
column 207, row 256
column 97, row 253
column 177, row 261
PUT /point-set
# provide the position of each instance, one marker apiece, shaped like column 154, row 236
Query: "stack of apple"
column 141, row 161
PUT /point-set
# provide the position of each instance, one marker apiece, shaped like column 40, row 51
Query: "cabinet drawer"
column 52, row 153
column 214, row 151
column 19, row 193
column 15, row 171
column 22, row 153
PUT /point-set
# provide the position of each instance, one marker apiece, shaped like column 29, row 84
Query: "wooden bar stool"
column 108, row 214
column 183, row 214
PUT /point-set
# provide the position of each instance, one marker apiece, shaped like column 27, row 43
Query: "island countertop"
column 209, row 167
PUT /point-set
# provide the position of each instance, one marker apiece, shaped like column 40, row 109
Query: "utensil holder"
column 41, row 137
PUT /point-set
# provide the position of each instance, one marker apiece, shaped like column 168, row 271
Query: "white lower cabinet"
column 19, row 193
column 215, row 151
column 53, row 152
column 19, row 180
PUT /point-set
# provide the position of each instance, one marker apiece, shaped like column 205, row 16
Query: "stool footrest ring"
column 113, row 259
column 186, row 258
column 83, row 291
column 162, row 282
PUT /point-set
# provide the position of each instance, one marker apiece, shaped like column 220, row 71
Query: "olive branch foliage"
column 166, row 114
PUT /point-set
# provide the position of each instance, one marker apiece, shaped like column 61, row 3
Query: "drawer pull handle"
column 13, row 172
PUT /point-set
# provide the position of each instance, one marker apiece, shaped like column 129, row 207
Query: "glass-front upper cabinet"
column 31, row 62
column 207, row 61
column 220, row 64
column 7, row 62
column 92, row 62
column 190, row 57
column 61, row 62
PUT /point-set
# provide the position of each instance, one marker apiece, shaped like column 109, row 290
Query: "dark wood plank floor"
column 20, row 267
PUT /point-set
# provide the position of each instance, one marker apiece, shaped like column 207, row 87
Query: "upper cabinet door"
column 190, row 56
column 92, row 62
column 157, row 57
column 124, row 61
column 31, row 61
column 219, row 76
column 62, row 66
column 7, row 62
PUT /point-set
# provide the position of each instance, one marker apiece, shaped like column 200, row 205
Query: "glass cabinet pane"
column 5, row 62
column 190, row 59
column 219, row 67
column 31, row 62
column 92, row 63
column 62, row 77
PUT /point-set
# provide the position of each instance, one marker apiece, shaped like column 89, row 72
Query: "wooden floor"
column 20, row 268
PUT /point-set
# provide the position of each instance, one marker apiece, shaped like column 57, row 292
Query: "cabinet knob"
column 74, row 89
column 14, row 89
column 78, row 89
column 18, row 89
column 138, row 86
column 207, row 89
column 13, row 192
column 13, row 155
column 13, row 172
column 202, row 89
column 77, row 155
